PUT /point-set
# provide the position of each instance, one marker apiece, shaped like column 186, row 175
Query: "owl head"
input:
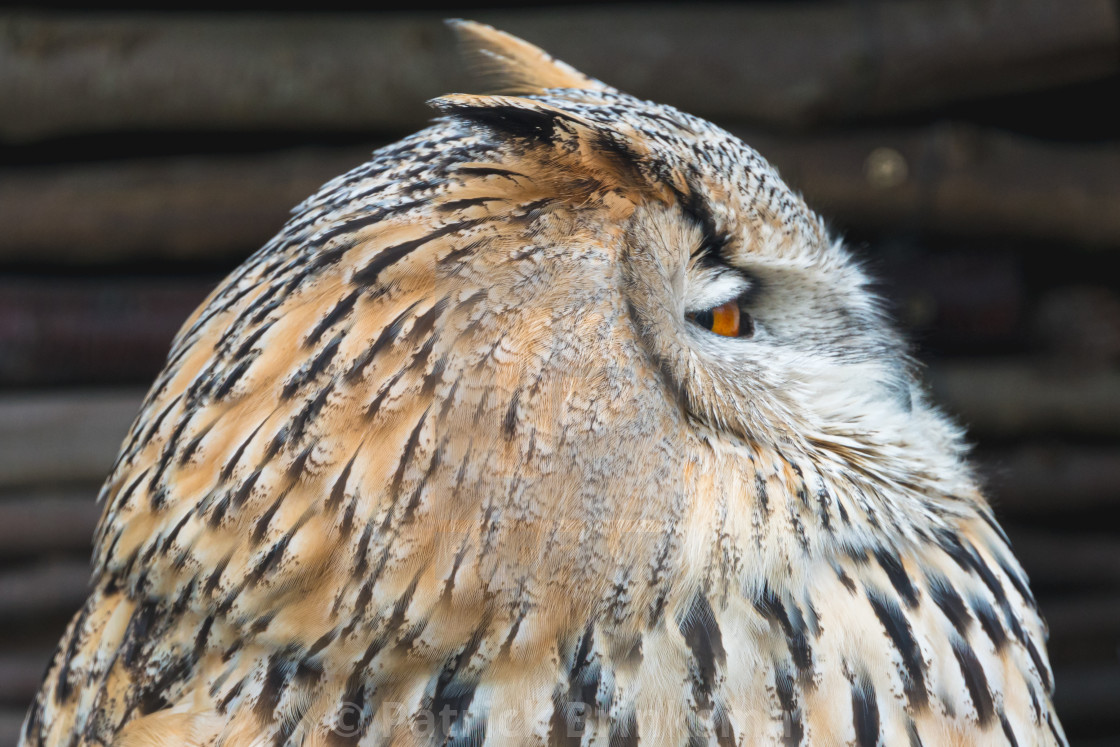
column 754, row 322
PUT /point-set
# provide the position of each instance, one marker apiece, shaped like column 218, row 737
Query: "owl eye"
column 727, row 320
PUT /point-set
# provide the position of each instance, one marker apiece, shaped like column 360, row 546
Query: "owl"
column 560, row 422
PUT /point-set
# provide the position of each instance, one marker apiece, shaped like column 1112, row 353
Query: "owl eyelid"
column 735, row 284
column 750, row 292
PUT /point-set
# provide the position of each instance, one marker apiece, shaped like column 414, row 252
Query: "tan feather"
column 510, row 65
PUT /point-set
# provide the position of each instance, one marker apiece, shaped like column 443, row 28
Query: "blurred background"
column 968, row 149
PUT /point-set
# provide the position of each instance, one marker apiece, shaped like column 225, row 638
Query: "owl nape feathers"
column 560, row 422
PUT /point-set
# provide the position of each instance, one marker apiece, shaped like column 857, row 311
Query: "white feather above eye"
column 714, row 287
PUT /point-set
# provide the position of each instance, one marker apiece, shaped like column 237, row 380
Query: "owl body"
column 450, row 461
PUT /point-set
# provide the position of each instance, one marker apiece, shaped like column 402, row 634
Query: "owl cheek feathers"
column 566, row 147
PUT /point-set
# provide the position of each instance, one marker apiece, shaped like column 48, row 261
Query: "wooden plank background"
column 966, row 148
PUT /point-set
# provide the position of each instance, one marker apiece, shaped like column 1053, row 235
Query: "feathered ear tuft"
column 510, row 65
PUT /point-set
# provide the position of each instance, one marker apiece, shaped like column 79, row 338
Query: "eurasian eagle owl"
column 562, row 421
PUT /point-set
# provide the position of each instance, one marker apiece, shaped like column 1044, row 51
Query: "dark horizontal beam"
column 197, row 208
column 90, row 331
column 1085, row 695
column 956, row 180
column 779, row 63
column 20, row 675
column 11, row 720
column 1065, row 561
column 46, row 522
column 61, row 438
column 1015, row 398
column 42, row 589
column 1037, row 479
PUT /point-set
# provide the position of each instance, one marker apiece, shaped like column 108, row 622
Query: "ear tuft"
column 510, row 65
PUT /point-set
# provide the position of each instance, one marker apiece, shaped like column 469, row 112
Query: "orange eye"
column 726, row 320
